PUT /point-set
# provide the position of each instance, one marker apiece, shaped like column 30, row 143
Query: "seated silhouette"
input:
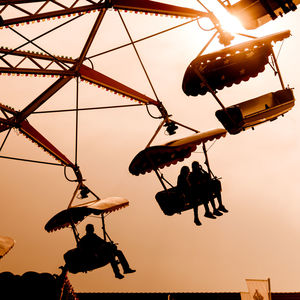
column 94, row 252
column 207, row 189
column 193, row 189
column 185, row 190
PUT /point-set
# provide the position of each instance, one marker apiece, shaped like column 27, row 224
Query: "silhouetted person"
column 92, row 242
column 200, row 182
column 184, row 187
column 216, row 190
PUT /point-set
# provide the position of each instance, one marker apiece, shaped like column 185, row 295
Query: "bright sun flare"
column 230, row 23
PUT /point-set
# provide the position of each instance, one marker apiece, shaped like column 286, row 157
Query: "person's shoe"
column 223, row 209
column 217, row 213
column 197, row 222
column 119, row 276
column 209, row 215
column 292, row 6
column 129, row 271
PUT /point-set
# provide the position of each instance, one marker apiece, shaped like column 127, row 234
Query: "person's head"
column 185, row 170
column 89, row 228
column 196, row 166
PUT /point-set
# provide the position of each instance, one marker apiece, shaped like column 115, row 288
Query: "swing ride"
column 153, row 158
column 207, row 73
column 77, row 259
column 233, row 65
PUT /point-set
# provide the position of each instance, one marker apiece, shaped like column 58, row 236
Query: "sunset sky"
column 258, row 238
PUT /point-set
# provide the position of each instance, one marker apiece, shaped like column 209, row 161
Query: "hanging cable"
column 76, row 121
column 209, row 13
column 65, row 173
column 204, row 29
column 148, row 111
column 91, row 62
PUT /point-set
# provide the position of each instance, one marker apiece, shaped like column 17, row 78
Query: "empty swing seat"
column 255, row 13
column 253, row 112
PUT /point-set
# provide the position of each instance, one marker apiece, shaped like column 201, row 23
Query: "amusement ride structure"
column 207, row 73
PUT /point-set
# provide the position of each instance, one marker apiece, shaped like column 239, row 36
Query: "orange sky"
column 258, row 238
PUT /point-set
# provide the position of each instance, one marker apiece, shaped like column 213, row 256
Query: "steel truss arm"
column 96, row 77
column 54, row 68
column 41, row 99
column 77, row 7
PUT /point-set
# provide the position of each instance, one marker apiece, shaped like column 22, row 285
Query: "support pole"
column 277, row 69
column 76, row 121
column 103, row 227
column 184, row 126
column 207, row 44
column 269, row 286
column 206, row 159
column 156, row 132
column 159, row 177
column 209, row 88
column 74, row 194
column 75, row 232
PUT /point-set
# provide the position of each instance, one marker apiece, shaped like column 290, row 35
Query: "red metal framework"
column 15, row 61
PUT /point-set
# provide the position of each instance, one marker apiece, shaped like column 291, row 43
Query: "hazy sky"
column 258, row 238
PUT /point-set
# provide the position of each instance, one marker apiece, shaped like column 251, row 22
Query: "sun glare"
column 230, row 23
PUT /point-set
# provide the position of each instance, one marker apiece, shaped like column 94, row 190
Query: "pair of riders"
column 198, row 186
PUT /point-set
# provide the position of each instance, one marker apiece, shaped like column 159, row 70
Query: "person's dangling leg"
column 114, row 265
column 221, row 206
column 123, row 261
column 196, row 215
column 208, row 213
column 268, row 9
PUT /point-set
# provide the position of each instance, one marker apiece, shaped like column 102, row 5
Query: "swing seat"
column 171, row 201
column 253, row 112
column 229, row 66
column 253, row 14
column 83, row 260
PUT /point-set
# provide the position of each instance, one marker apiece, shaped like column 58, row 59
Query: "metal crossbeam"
column 57, row 65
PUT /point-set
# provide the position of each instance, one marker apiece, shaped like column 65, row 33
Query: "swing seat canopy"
column 160, row 156
column 253, row 112
column 76, row 214
column 6, row 244
column 255, row 13
column 229, row 66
